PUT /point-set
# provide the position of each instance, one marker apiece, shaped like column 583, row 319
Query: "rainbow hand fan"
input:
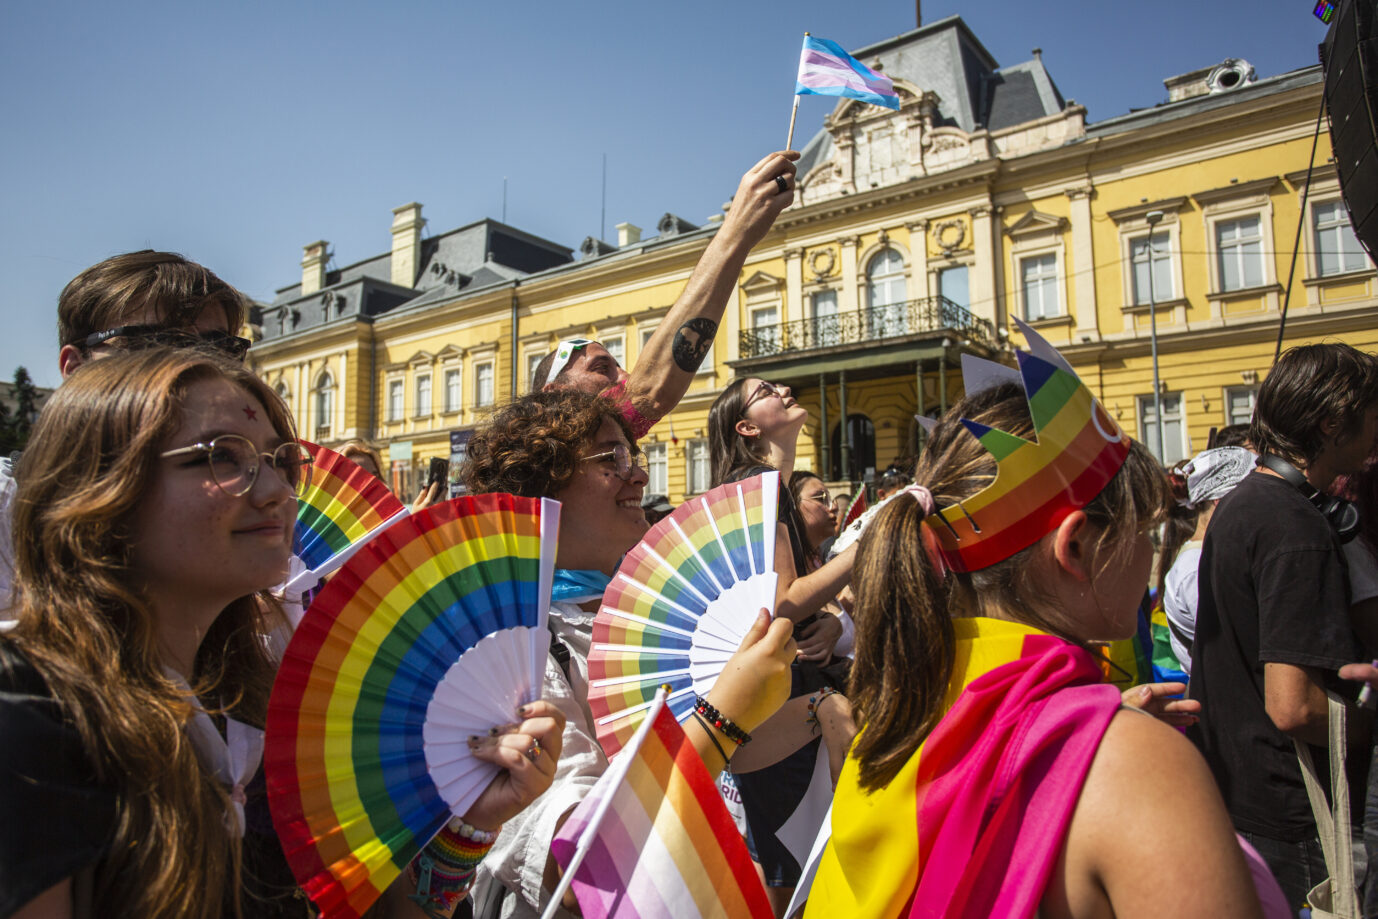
column 434, row 631
column 681, row 603
column 342, row 508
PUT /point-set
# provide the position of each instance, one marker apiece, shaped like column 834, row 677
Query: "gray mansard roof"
column 483, row 253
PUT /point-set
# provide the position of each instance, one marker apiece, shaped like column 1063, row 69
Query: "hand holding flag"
column 827, row 70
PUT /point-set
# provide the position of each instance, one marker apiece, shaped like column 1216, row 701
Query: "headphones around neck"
column 1342, row 515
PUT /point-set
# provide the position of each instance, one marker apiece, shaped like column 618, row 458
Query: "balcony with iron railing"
column 876, row 324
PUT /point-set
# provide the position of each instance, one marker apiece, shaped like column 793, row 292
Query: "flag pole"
column 623, row 763
column 789, row 139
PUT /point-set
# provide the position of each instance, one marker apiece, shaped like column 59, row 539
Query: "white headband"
column 564, row 353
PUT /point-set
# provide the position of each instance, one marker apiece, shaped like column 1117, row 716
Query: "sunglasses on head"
column 150, row 336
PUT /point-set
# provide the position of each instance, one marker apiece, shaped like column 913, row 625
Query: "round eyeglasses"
column 623, row 460
column 234, row 462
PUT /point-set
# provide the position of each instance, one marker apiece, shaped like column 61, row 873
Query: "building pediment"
column 1035, row 222
column 421, row 357
column 762, row 282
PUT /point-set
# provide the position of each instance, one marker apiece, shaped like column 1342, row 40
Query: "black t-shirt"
column 55, row 819
column 1273, row 589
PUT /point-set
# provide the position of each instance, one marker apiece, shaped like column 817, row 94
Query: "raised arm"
column 675, row 350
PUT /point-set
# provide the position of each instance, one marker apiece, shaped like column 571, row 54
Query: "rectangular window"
column 483, row 384
column 1038, row 278
column 395, row 395
column 952, row 284
column 1239, row 246
column 1239, row 404
column 1174, row 431
column 1161, row 282
column 533, row 359
column 617, row 347
column 453, row 390
column 698, row 466
column 1337, row 249
column 658, row 468
column 423, row 396
column 765, row 324
column 825, row 328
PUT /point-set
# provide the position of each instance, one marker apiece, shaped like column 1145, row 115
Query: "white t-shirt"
column 1179, row 601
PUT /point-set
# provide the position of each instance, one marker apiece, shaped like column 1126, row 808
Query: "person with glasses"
column 126, row 302
column 577, row 448
column 158, row 497
column 754, row 427
column 670, row 358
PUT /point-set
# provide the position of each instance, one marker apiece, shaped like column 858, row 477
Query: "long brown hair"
column 905, row 642
column 729, row 451
column 86, row 625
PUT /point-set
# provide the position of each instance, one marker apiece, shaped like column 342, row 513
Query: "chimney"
column 918, row 13
column 313, row 258
column 628, row 234
column 406, row 243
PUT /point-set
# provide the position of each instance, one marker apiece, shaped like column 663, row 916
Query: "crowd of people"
column 946, row 654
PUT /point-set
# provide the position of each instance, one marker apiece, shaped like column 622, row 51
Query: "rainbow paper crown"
column 1076, row 451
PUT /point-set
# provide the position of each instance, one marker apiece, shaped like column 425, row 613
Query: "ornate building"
column 918, row 233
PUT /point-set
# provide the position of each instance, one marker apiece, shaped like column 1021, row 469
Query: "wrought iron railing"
column 930, row 314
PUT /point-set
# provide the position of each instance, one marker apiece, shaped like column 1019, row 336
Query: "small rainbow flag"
column 827, row 70
column 654, row 839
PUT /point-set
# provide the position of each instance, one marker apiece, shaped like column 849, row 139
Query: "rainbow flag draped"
column 991, row 789
column 658, row 838
column 827, row 70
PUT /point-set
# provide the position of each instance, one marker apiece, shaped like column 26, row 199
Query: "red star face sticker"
column 250, row 413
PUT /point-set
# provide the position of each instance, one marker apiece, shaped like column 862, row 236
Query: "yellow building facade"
column 916, row 236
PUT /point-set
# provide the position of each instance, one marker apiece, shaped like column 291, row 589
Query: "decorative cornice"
column 1236, row 190
column 1136, row 211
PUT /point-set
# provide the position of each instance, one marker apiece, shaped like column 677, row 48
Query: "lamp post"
column 1153, row 217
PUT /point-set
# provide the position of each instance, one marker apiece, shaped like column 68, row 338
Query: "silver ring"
column 533, row 752
column 782, row 183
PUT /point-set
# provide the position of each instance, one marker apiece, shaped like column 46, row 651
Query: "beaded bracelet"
column 444, row 870
column 815, row 703
column 721, row 722
column 707, row 729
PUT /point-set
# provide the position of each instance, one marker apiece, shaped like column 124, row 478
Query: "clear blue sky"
column 236, row 132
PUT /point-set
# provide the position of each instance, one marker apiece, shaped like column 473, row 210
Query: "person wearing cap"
column 1207, row 477
column 672, row 355
column 656, row 508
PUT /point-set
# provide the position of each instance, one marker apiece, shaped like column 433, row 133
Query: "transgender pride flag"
column 654, row 840
column 826, row 70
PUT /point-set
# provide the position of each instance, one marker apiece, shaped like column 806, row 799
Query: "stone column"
column 1082, row 265
column 849, row 301
column 983, row 273
column 338, row 426
column 918, row 256
column 793, row 307
column 844, row 440
column 824, row 442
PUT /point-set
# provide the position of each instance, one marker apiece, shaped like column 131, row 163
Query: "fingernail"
column 474, row 740
column 493, row 732
column 524, row 710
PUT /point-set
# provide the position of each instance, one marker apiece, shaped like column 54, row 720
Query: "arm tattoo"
column 692, row 342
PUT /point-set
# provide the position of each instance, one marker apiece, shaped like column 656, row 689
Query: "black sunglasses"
column 147, row 336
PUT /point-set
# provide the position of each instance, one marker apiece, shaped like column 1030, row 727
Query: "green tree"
column 15, row 428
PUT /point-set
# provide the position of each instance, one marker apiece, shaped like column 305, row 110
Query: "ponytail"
column 905, row 642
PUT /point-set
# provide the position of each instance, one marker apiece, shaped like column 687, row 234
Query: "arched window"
column 886, row 294
column 281, row 390
column 863, row 449
column 325, row 404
